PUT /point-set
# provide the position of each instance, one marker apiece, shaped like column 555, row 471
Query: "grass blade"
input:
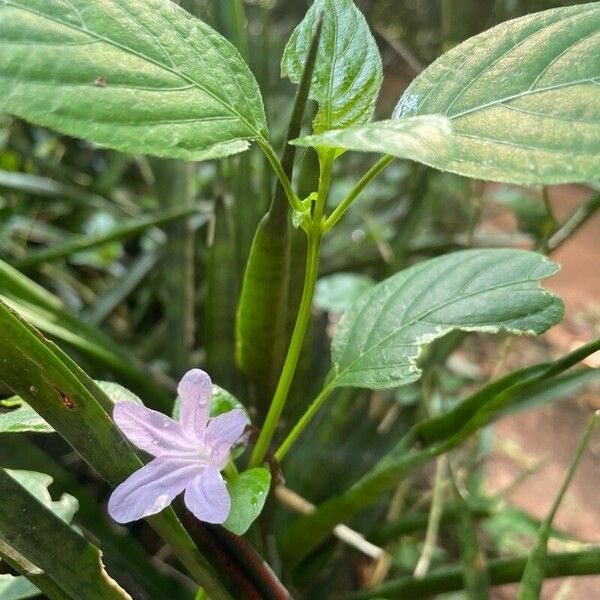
column 536, row 568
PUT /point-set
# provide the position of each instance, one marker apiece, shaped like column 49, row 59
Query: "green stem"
column 291, row 360
column 314, row 231
column 573, row 222
column 175, row 186
column 170, row 529
column 501, row 571
column 326, row 159
column 288, row 154
column 377, row 168
column 302, row 423
column 281, row 175
column 231, row 471
column 536, row 568
column 435, row 517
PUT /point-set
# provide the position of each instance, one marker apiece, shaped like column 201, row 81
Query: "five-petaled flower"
column 189, row 455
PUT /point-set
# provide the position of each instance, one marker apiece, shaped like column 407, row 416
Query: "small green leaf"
column 37, row 485
column 424, row 139
column 140, row 77
column 23, row 418
column 337, row 292
column 380, row 337
column 223, row 401
column 17, row 588
column 248, row 495
column 117, row 393
column 523, row 99
column 348, row 72
column 77, row 409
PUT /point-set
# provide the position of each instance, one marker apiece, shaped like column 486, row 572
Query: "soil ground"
column 548, row 436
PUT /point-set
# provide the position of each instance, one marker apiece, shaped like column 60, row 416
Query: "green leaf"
column 248, row 495
column 262, row 309
column 140, row 77
column 123, row 556
column 47, row 312
column 23, row 418
column 37, row 485
column 380, row 337
column 501, row 570
column 75, row 249
column 569, row 385
column 60, row 392
column 46, row 549
column 337, row 292
column 17, row 588
column 348, row 72
column 117, row 393
column 523, row 99
column 222, row 289
column 424, row 139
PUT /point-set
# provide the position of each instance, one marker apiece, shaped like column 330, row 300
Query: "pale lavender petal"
column 151, row 489
column 207, row 496
column 224, row 431
column 195, row 392
column 149, row 430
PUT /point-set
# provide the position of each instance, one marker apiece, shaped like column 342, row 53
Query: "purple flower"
column 189, row 455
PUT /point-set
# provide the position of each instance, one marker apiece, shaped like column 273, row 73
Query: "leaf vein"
column 425, row 314
column 125, row 48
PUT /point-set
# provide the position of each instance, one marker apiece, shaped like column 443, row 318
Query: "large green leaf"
column 523, row 99
column 122, row 555
column 60, row 392
column 47, row 312
column 142, row 77
column 380, row 337
column 24, row 418
column 426, row 139
column 348, row 72
column 44, row 547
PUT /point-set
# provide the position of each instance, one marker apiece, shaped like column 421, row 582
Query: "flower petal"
column 195, row 391
column 224, row 431
column 151, row 489
column 207, row 496
column 148, row 429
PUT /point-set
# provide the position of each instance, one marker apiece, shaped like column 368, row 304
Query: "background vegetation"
column 134, row 266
